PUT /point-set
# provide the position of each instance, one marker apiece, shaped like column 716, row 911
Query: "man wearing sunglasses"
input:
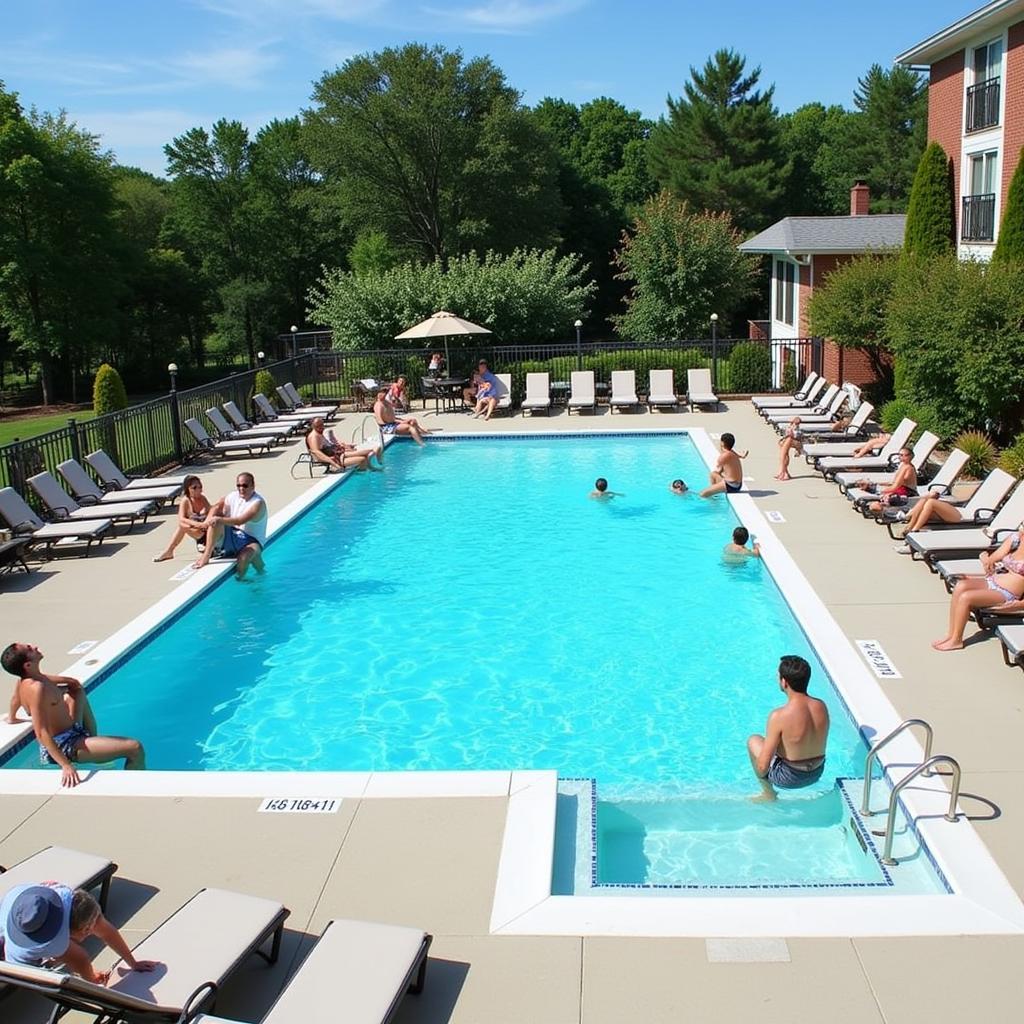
column 237, row 527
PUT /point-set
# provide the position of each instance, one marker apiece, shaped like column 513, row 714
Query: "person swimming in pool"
column 791, row 754
column 678, row 487
column 736, row 550
column 601, row 490
column 727, row 476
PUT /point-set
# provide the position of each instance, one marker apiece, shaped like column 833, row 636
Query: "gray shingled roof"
column 804, row 235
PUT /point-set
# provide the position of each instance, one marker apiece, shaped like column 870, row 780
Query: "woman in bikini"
column 904, row 484
column 1001, row 587
column 930, row 509
column 193, row 508
column 792, row 440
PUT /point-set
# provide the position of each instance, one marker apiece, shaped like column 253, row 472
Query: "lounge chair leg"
column 421, row 975
column 105, row 892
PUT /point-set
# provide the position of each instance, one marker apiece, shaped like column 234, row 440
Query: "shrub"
column 925, row 415
column 264, row 384
column 789, row 379
column 981, row 453
column 108, row 393
column 750, row 368
column 930, row 226
column 1010, row 244
column 1012, row 458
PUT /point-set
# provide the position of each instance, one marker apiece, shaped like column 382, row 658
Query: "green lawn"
column 29, row 426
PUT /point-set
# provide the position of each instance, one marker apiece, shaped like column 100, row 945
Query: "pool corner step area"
column 695, row 841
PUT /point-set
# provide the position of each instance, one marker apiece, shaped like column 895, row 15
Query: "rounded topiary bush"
column 981, row 453
column 749, row 368
column 264, row 384
column 108, row 393
column 1012, row 458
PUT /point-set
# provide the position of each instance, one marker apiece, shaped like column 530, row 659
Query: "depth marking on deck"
column 85, row 645
column 183, row 574
column 775, row 517
column 879, row 661
column 300, row 805
column 747, row 951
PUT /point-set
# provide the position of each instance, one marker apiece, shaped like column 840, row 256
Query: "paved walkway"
column 433, row 862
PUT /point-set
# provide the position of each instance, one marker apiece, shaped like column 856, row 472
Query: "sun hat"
column 36, row 922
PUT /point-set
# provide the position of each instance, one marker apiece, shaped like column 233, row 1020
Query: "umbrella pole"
column 447, row 361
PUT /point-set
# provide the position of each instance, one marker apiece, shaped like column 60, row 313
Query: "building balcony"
column 978, row 218
column 983, row 105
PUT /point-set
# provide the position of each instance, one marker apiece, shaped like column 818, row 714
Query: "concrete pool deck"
column 433, row 863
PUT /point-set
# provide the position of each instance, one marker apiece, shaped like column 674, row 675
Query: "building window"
column 978, row 219
column 785, row 291
column 983, row 95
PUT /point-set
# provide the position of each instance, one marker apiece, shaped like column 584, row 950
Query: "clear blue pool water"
column 472, row 608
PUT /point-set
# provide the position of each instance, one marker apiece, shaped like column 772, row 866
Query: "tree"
column 930, row 228
column 371, row 254
column 108, row 393
column 719, row 149
column 890, row 133
column 1010, row 244
column 682, row 267
column 817, row 139
column 435, row 152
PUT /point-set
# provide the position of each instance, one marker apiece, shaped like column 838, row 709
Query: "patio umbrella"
column 442, row 325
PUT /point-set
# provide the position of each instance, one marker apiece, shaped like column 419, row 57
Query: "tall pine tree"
column 1010, row 244
column 719, row 147
column 929, row 231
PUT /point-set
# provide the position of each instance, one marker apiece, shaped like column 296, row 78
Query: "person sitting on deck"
column 397, row 395
column 389, row 423
column 486, row 391
column 329, row 451
column 727, row 476
column 237, row 527
column 193, row 508
column 791, row 441
column 791, row 754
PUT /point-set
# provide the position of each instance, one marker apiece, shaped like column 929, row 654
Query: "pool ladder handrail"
column 922, row 769
column 865, row 809
column 361, row 428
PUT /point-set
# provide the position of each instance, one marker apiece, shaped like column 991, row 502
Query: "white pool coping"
column 982, row 902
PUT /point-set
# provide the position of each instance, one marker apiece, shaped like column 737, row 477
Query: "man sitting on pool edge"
column 791, row 754
column 237, row 527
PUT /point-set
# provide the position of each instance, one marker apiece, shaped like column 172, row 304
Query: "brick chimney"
column 860, row 199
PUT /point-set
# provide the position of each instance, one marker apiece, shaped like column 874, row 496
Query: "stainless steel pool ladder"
column 922, row 769
column 360, row 429
column 865, row 809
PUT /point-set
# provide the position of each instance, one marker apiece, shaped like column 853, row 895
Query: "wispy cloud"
column 505, row 15
column 238, row 66
column 264, row 12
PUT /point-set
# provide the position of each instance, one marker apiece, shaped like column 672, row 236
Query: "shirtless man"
column 791, row 754
column 336, row 453
column 389, row 423
column 727, row 475
column 601, row 491
column 61, row 717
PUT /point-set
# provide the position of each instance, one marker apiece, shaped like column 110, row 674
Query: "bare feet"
column 163, row 557
column 947, row 644
column 764, row 798
column 782, row 476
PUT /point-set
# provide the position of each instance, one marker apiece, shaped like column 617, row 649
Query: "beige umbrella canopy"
column 442, row 325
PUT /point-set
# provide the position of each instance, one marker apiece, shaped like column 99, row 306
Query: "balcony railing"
column 983, row 105
column 978, row 220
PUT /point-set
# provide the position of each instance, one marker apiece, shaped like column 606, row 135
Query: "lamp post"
column 579, row 352
column 714, row 351
column 260, row 356
column 295, row 341
column 172, row 369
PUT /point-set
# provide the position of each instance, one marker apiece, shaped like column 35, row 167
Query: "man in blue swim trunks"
column 727, row 476
column 61, row 717
column 791, row 754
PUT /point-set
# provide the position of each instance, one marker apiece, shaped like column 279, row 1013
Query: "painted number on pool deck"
column 878, row 659
column 301, row 805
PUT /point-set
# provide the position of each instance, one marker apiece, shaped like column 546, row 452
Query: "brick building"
column 976, row 112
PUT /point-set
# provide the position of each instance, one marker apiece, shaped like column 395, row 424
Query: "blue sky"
column 139, row 72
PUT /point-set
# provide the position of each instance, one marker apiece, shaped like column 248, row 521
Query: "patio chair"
column 623, row 394
column 699, row 390
column 272, row 415
column 830, row 464
column 240, row 423
column 538, row 393
column 774, row 401
column 292, row 400
column 1011, row 637
column 62, row 507
column 19, row 516
column 74, row 869
column 504, row 393
column 583, row 394
column 357, row 971
column 200, row 945
column 12, row 556
column 854, row 429
column 825, row 411
column 661, row 390
column 269, row 432
column 251, row 446
column 920, row 454
column 88, row 492
column 809, row 400
column 113, row 477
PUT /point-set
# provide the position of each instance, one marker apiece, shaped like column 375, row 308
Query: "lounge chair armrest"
column 894, row 460
column 202, row 997
column 60, row 511
column 25, row 526
column 1006, row 531
column 983, row 515
column 88, row 499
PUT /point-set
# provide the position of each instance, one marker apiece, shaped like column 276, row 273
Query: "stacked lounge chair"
column 822, row 432
column 292, row 400
column 920, row 454
column 240, row 423
column 824, row 410
column 272, row 415
column 760, row 402
column 86, row 490
column 829, row 463
column 796, row 403
column 269, row 432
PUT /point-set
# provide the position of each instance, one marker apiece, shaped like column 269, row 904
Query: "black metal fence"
column 978, row 218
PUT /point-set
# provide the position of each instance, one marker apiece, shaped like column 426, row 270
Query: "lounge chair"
column 357, row 972
column 831, row 464
column 774, row 401
column 112, row 476
column 1012, row 639
column 62, row 507
column 853, row 429
column 269, row 432
column 70, row 867
column 807, row 402
column 661, row 390
column 251, row 446
column 937, row 544
column 504, row 393
column 583, row 394
column 12, row 555
column 240, row 423
column 920, row 454
column 272, row 415
column 623, row 394
column 699, row 390
column 87, row 492
column 538, row 393
column 200, row 945
column 291, row 398
column 824, row 413
column 18, row 515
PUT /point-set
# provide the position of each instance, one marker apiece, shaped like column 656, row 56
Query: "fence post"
column 314, row 362
column 714, row 352
column 76, row 447
column 175, row 422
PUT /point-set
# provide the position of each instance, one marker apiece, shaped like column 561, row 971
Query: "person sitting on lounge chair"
column 389, row 423
column 62, row 718
column 335, row 453
column 486, row 391
column 1001, row 587
column 872, row 444
column 49, row 922
column 237, row 527
column 904, row 484
column 193, row 508
column 931, row 508
column 792, row 441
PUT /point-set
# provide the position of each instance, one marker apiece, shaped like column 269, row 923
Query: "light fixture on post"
column 295, row 341
column 714, row 352
column 579, row 352
column 260, row 356
column 172, row 369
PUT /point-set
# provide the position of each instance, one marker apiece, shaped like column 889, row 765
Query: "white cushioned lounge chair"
column 504, row 393
column 809, row 400
column 112, row 475
column 775, row 401
column 920, row 454
column 72, row 868
column 821, row 432
column 698, row 388
column 538, row 393
column 22, row 520
column 623, row 394
column 251, row 446
column 830, row 464
column 824, row 412
column 88, row 492
column 1011, row 637
column 62, row 507
column 583, row 394
column 661, row 390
